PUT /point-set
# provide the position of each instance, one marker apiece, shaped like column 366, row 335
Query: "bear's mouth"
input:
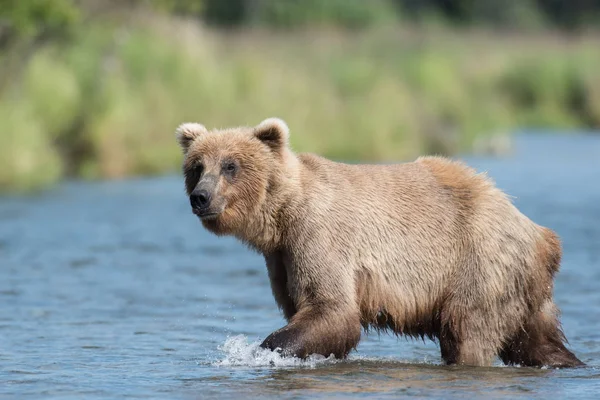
column 204, row 214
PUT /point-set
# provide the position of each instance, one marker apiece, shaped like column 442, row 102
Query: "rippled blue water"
column 114, row 290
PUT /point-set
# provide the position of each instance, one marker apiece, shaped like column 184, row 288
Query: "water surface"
column 114, row 290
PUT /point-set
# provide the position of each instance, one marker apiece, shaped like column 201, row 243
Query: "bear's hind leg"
column 467, row 337
column 540, row 343
column 471, row 351
column 449, row 349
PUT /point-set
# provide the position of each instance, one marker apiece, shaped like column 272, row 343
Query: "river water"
column 114, row 290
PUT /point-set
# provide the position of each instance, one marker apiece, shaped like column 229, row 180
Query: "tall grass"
column 105, row 105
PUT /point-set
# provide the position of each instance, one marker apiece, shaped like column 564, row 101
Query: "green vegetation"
column 520, row 14
column 103, row 97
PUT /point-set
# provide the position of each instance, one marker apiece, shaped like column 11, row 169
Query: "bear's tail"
column 540, row 342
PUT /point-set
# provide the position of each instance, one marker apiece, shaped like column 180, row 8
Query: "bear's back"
column 425, row 212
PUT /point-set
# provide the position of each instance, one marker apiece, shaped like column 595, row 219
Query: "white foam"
column 238, row 352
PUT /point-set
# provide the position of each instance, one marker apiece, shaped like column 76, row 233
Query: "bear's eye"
column 199, row 169
column 230, row 167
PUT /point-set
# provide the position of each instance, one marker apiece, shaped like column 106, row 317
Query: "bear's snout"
column 200, row 200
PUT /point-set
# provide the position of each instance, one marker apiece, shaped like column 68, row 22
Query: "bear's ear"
column 273, row 132
column 186, row 133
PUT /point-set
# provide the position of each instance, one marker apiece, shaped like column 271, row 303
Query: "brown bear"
column 426, row 248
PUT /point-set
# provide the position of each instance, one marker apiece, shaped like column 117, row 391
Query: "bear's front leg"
column 316, row 331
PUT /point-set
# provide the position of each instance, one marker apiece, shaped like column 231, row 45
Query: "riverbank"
column 105, row 103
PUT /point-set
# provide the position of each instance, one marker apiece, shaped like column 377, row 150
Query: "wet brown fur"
column 426, row 249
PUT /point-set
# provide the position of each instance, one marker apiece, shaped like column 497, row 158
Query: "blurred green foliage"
column 350, row 14
column 98, row 94
column 36, row 19
column 523, row 14
column 56, row 17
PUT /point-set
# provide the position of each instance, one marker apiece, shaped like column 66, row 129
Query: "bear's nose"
column 200, row 199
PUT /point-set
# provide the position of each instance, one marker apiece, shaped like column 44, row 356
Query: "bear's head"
column 231, row 173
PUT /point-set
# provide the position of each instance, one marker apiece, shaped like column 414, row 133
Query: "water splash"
column 238, row 352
